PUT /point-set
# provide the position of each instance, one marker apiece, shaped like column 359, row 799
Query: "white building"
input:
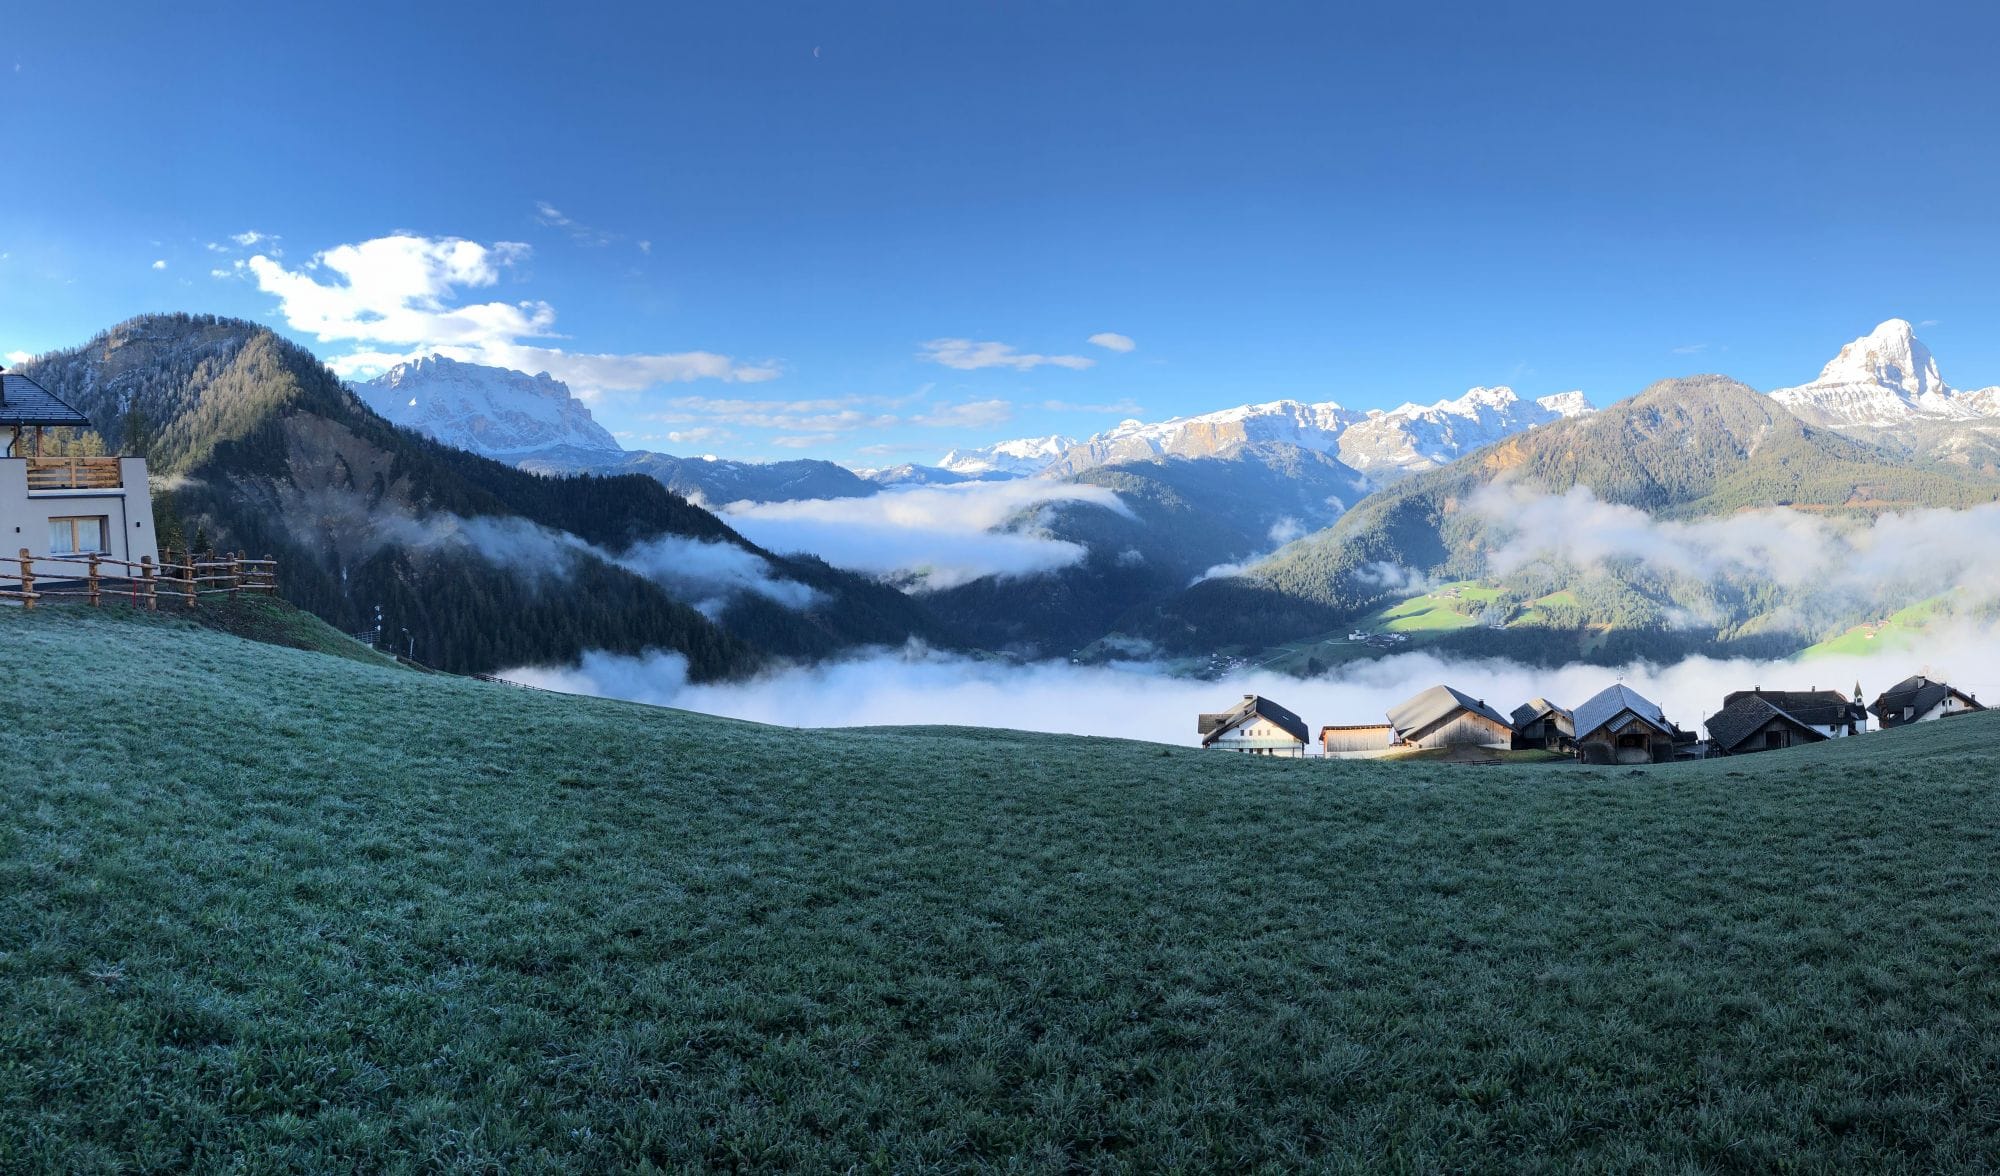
column 1921, row 700
column 1255, row 726
column 66, row 506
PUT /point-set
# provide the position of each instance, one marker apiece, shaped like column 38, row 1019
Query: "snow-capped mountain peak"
column 1379, row 442
column 489, row 410
column 1890, row 355
column 1018, row 458
column 1884, row 379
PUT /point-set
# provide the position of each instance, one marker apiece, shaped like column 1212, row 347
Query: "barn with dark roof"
column 1618, row 725
column 1768, row 720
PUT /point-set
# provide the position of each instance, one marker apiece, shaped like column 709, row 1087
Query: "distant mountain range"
column 1236, row 530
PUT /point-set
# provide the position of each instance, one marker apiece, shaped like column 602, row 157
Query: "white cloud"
column 249, row 237
column 1113, row 341
column 972, row 415
column 160, row 264
column 928, row 537
column 698, row 436
column 1828, row 568
column 1690, row 349
column 402, row 293
column 804, row 440
column 966, row 355
column 1140, row 701
column 18, row 357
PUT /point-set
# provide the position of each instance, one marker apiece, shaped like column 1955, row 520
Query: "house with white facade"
column 1921, row 700
column 54, row 506
column 1254, row 726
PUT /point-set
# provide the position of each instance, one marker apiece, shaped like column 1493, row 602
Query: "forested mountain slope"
column 259, row 447
column 1183, row 516
column 1683, row 449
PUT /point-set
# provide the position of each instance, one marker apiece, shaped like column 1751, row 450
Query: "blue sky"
column 740, row 226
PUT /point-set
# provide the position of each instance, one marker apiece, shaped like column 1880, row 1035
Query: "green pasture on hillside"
column 265, row 909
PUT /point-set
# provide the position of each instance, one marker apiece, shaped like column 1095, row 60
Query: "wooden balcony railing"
column 74, row 473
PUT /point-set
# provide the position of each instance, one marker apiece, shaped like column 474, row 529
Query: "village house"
column 1255, row 726
column 1443, row 717
column 1768, row 720
column 1920, row 700
column 1438, row 717
column 66, row 506
column 1618, row 725
column 1541, row 725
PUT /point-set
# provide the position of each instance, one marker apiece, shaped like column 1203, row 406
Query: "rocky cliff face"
column 490, row 411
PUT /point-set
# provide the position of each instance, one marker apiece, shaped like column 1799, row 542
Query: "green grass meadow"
column 265, row 909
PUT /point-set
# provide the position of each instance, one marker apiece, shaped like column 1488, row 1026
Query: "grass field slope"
column 262, row 908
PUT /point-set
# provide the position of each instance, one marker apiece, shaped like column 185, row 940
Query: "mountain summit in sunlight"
column 1885, row 379
column 489, row 410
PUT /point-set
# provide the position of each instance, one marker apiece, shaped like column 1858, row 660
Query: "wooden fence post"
column 188, row 584
column 27, row 579
column 95, row 583
column 235, row 575
column 148, row 583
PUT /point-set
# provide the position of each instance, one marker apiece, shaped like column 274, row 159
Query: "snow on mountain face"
column 487, row 410
column 1884, row 379
column 1020, row 458
column 1384, row 444
column 1422, row 437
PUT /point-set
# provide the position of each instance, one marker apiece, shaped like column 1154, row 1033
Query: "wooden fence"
column 180, row 577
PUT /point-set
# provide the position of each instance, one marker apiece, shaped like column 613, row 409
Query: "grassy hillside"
column 267, row 907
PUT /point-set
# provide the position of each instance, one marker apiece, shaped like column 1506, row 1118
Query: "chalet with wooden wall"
column 1921, row 700
column 1541, row 725
column 1255, row 726
column 1770, row 720
column 1618, row 725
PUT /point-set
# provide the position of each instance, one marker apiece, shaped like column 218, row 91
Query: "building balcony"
column 49, row 474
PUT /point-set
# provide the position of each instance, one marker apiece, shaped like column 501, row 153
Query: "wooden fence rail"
column 90, row 576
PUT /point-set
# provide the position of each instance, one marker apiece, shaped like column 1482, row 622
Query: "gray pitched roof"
column 1814, row 708
column 1534, row 709
column 1919, row 693
column 1416, row 713
column 24, row 402
column 1611, row 701
column 1747, row 713
column 1212, row 725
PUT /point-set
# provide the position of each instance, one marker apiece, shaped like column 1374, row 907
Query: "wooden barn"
column 1443, row 717
column 1357, row 740
column 1255, row 726
column 1768, row 720
column 1618, row 725
column 1541, row 725
column 1921, row 700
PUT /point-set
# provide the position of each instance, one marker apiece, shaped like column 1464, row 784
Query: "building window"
column 76, row 535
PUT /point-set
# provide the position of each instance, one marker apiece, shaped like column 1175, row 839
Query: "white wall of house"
column 1952, row 705
column 1256, row 735
column 121, row 518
